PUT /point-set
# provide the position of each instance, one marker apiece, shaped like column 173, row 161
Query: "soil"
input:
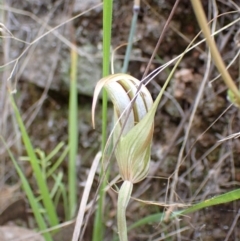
column 208, row 167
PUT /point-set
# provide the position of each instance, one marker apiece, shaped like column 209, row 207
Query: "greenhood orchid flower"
column 133, row 130
column 133, row 149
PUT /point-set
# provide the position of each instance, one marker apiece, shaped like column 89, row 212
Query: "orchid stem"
column 123, row 199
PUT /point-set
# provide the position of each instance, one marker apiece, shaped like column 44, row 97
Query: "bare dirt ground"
column 208, row 167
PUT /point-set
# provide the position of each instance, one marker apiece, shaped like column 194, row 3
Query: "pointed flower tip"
column 96, row 93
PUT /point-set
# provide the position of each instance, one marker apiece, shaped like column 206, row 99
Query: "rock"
column 47, row 62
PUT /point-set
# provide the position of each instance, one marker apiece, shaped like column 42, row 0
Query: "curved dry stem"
column 202, row 21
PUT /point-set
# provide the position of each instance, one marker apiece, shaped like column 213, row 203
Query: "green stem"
column 73, row 135
column 98, row 232
column 123, row 199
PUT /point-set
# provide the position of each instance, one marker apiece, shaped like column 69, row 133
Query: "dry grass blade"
column 87, row 189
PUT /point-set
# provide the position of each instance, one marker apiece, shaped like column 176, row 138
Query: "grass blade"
column 220, row 199
column 85, row 196
column 98, row 231
column 31, row 198
column 130, row 40
column 52, row 169
column 73, row 136
column 42, row 184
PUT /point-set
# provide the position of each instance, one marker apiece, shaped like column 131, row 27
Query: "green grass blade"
column 31, row 198
column 54, row 152
column 58, row 162
column 57, row 181
column 42, row 185
column 153, row 218
column 73, row 135
column 220, row 199
column 98, row 232
column 65, row 199
column 130, row 41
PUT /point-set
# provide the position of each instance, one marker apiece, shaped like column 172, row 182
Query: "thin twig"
column 161, row 38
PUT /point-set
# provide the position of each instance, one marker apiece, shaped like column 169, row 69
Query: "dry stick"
column 160, row 38
column 200, row 15
column 85, row 196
